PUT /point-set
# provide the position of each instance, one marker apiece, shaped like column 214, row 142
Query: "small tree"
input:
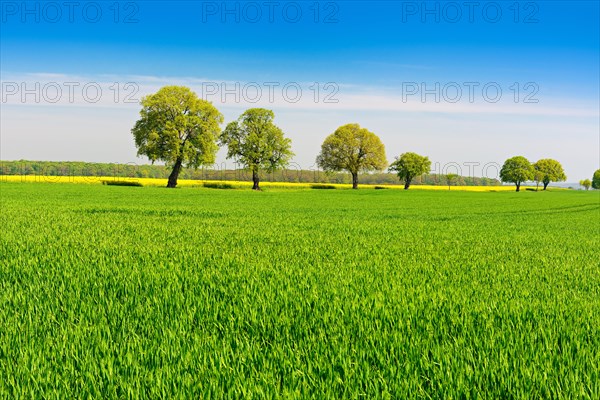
column 257, row 143
column 177, row 127
column 353, row 149
column 549, row 170
column 517, row 170
column 586, row 183
column 450, row 178
column 409, row 165
column 596, row 179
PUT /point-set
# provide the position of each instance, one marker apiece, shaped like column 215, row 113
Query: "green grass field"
column 126, row 292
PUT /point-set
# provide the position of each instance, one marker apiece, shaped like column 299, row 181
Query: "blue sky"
column 370, row 52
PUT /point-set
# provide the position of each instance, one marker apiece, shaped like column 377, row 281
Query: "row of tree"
column 518, row 170
column 293, row 173
column 177, row 127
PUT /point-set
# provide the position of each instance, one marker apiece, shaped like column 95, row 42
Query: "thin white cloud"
column 52, row 89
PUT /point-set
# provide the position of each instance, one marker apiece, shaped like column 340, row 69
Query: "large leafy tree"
column 257, row 143
column 410, row 165
column 177, row 127
column 596, row 179
column 517, row 170
column 353, row 149
column 549, row 170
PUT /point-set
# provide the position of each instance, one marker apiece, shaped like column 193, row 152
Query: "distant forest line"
column 75, row 168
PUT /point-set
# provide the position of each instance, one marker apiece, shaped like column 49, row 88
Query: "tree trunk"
column 518, row 187
column 354, row 180
column 407, row 184
column 546, row 185
column 175, row 174
column 255, row 180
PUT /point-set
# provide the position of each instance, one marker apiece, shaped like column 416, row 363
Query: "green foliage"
column 409, row 165
column 321, row 186
column 74, row 168
column 177, row 127
column 120, row 183
column 331, row 294
column 353, row 149
column 538, row 177
column 586, row 183
column 548, row 170
column 256, row 143
column 218, row 185
column 517, row 170
column 450, row 178
column 596, row 180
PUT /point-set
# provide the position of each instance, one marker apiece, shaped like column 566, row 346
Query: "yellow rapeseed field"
column 235, row 184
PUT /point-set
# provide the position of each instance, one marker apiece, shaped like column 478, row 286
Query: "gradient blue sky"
column 368, row 49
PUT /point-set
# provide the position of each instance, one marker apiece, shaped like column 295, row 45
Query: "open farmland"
column 126, row 292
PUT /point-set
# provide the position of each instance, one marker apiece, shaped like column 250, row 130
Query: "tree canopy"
column 538, row 177
column 256, row 143
column 409, row 165
column 517, row 170
column 450, row 178
column 596, row 179
column 586, row 183
column 353, row 149
column 177, row 127
column 548, row 170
